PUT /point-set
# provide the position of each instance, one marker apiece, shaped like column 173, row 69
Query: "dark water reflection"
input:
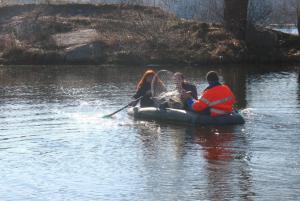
column 55, row 145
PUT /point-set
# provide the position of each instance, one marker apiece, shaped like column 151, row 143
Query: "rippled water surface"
column 54, row 145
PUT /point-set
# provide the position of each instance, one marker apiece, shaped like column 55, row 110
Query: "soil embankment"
column 122, row 34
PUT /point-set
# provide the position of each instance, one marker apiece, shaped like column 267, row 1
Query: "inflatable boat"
column 184, row 117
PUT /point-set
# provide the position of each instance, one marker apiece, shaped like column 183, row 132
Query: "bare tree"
column 3, row 2
column 298, row 16
column 208, row 10
column 259, row 12
column 235, row 17
column 168, row 3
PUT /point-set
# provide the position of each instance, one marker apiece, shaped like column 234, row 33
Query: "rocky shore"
column 122, row 34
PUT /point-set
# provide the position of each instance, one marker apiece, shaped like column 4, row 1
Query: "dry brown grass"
column 129, row 33
column 9, row 42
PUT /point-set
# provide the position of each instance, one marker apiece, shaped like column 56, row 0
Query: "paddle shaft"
column 123, row 107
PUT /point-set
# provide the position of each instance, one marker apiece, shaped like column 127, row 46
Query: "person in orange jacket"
column 217, row 99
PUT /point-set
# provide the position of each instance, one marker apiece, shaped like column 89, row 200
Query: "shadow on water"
column 236, row 80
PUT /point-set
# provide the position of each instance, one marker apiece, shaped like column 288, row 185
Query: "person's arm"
column 138, row 93
column 198, row 105
column 194, row 92
column 192, row 88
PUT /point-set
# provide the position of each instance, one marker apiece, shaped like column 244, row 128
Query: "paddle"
column 110, row 115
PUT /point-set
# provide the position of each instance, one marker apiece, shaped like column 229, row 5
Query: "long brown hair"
column 145, row 76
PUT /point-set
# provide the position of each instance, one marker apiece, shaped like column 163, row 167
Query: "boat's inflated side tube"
column 182, row 116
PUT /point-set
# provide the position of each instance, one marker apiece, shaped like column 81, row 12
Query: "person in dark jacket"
column 185, row 86
column 144, row 90
column 182, row 86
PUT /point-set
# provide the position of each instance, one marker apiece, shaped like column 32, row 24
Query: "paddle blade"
column 109, row 116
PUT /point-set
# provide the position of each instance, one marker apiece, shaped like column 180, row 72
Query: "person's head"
column 146, row 78
column 178, row 78
column 212, row 76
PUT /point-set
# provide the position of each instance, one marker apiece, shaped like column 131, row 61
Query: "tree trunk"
column 235, row 17
column 298, row 16
column 298, row 25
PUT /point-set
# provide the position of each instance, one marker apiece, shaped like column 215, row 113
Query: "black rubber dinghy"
column 184, row 117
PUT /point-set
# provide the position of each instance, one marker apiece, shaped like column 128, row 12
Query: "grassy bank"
column 122, row 34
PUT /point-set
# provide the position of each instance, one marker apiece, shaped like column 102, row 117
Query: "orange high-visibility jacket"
column 218, row 99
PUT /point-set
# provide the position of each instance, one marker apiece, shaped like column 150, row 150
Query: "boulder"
column 85, row 53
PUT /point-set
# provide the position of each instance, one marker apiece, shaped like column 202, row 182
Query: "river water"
column 54, row 145
column 290, row 30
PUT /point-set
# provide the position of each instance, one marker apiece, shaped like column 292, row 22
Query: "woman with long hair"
column 144, row 89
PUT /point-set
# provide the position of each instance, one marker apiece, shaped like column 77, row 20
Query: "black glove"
column 133, row 103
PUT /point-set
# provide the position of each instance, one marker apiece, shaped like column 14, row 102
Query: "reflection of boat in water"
column 185, row 117
column 217, row 142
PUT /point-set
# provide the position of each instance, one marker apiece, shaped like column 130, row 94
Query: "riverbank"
column 122, row 34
